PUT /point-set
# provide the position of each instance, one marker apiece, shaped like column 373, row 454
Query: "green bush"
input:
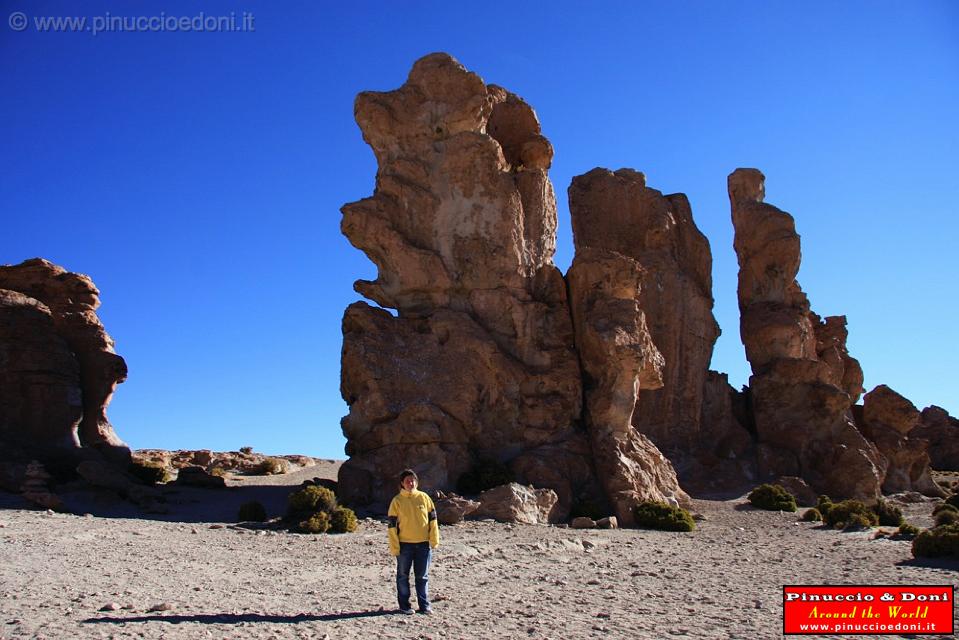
column 953, row 500
column 812, row 515
column 772, row 497
column 485, row 474
column 858, row 521
column 938, row 542
column 252, row 511
column 947, row 516
column 342, row 520
column 841, row 515
column 823, row 505
column 309, row 500
column 150, row 472
column 889, row 515
column 907, row 530
column 659, row 515
column 317, row 523
column 943, row 507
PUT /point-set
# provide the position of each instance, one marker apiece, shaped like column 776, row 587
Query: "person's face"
column 408, row 483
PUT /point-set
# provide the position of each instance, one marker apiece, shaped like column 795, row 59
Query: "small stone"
column 608, row 523
column 110, row 606
column 163, row 606
column 583, row 522
column 594, row 581
column 194, row 531
column 216, row 526
column 127, row 607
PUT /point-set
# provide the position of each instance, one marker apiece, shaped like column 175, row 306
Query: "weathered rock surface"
column 241, row 462
column 479, row 360
column 688, row 416
column 942, row 432
column 451, row 508
column 804, row 383
column 889, row 420
column 36, row 487
column 517, row 503
column 618, row 358
column 60, row 366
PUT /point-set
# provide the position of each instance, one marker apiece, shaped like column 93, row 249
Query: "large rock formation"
column 618, row 358
column 889, row 420
column 479, row 361
column 617, row 212
column 804, row 383
column 59, row 369
column 942, row 432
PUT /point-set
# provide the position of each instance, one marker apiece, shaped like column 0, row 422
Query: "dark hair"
column 405, row 473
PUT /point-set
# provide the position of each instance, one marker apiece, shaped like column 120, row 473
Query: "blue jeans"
column 418, row 556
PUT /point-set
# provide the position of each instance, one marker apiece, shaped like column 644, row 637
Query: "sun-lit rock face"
column 804, row 382
column 688, row 414
column 480, row 359
column 59, row 368
column 889, row 421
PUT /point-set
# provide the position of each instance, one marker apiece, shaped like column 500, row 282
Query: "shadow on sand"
column 231, row 618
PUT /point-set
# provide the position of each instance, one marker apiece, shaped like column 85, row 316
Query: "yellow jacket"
column 412, row 519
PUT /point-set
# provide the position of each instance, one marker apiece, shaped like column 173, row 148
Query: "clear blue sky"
column 197, row 177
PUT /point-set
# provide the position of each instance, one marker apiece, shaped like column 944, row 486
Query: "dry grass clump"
column 149, row 472
column 659, row 515
column 772, row 497
column 252, row 511
column 939, row 542
column 313, row 509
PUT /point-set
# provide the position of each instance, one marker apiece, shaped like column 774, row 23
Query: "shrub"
column 947, row 516
column 823, row 505
column 252, row 511
column 246, row 450
column 907, row 530
column 150, row 472
column 858, row 521
column 840, row 515
column 342, row 520
column 218, row 471
column 271, row 467
column 889, row 514
column 953, row 500
column 309, row 500
column 772, row 497
column 812, row 515
column 938, row 542
column 943, row 507
column 485, row 474
column 317, row 523
column 659, row 515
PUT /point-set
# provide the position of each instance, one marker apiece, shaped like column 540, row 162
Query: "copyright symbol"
column 17, row 21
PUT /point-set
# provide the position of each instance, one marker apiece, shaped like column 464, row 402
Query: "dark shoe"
column 428, row 611
column 406, row 612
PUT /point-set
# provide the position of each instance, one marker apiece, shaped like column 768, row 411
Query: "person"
column 414, row 533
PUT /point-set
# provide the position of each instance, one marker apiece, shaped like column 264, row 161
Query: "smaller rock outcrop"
column 59, row 366
column 804, row 382
column 452, row 509
column 889, row 420
column 36, row 488
column 941, row 430
column 517, row 503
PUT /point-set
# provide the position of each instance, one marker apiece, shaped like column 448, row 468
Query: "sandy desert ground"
column 207, row 578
